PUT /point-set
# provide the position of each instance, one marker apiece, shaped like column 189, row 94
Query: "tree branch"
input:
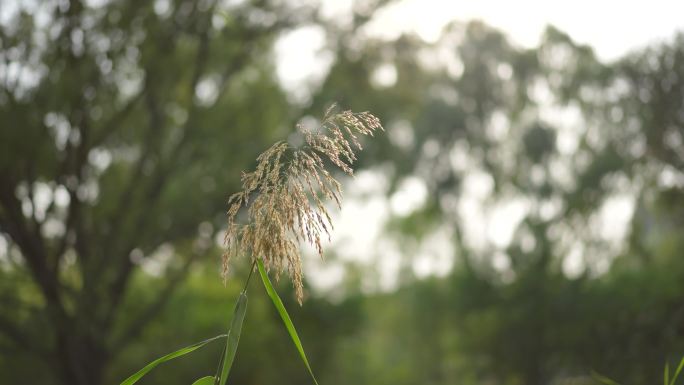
column 163, row 170
column 111, row 125
column 13, row 223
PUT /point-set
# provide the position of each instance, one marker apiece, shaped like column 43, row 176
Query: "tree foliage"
column 128, row 124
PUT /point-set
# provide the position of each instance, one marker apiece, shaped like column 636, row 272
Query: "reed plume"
column 285, row 195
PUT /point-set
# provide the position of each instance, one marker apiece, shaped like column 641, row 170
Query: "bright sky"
column 612, row 27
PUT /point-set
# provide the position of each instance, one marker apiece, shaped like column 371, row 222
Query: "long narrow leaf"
column 181, row 352
column 286, row 317
column 208, row 380
column 666, row 380
column 677, row 372
column 233, row 338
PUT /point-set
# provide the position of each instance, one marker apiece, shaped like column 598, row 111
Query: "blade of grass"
column 208, row 380
column 667, row 374
column 603, row 379
column 233, row 338
column 181, row 352
column 285, row 317
column 677, row 372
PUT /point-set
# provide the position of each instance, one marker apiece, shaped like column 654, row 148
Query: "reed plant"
column 282, row 205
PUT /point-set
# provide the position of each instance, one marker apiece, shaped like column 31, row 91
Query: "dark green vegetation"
column 109, row 158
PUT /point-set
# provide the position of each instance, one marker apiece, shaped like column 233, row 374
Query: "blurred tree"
column 125, row 124
column 564, row 137
column 118, row 153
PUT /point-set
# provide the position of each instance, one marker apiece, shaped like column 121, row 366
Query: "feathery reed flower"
column 284, row 196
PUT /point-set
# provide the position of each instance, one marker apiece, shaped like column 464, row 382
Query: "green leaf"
column 677, row 372
column 666, row 380
column 233, row 338
column 181, row 352
column 208, row 380
column 603, row 379
column 286, row 317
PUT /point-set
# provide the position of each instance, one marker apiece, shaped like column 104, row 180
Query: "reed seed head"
column 284, row 197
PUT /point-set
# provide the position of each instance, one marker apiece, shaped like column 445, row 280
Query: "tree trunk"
column 81, row 360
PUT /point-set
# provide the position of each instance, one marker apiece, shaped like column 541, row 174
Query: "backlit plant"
column 284, row 205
